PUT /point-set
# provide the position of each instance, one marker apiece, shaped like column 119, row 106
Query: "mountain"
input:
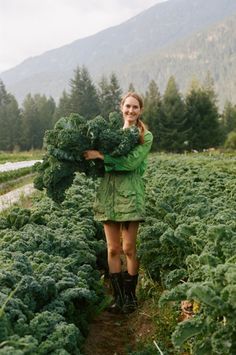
column 179, row 37
column 208, row 51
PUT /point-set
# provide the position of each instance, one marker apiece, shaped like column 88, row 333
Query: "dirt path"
column 14, row 196
column 115, row 334
column 110, row 334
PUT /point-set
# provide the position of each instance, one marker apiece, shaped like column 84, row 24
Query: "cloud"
column 31, row 27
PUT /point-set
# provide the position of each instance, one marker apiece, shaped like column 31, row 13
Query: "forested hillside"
column 178, row 122
column 211, row 50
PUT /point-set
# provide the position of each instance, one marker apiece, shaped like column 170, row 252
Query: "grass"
column 16, row 183
column 20, row 156
column 7, row 176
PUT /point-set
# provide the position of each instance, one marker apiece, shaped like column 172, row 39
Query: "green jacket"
column 120, row 195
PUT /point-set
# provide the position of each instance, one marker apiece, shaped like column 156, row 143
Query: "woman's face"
column 131, row 111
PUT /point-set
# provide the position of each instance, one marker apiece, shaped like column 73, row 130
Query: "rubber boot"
column 118, row 293
column 130, row 283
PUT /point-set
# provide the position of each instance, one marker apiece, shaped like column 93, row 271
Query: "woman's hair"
column 140, row 123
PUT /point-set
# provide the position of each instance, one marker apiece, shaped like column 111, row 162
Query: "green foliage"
column 172, row 132
column 14, row 174
column 186, row 330
column 37, row 116
column 230, row 142
column 202, row 119
column 229, row 118
column 9, row 120
column 109, row 95
column 83, row 94
column 20, row 156
column 64, row 107
column 66, row 144
column 18, row 217
column 152, row 111
column 188, row 242
column 50, row 286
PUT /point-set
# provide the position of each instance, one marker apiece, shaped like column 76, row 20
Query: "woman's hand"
column 93, row 154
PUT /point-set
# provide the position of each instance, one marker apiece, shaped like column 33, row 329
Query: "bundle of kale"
column 65, row 146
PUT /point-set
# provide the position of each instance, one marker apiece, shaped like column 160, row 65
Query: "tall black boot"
column 130, row 283
column 118, row 293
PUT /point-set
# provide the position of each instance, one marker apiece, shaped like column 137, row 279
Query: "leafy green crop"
column 189, row 244
column 50, row 285
column 67, row 142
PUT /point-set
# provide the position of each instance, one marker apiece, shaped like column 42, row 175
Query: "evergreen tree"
column 46, row 108
column 84, row 98
column 64, row 107
column 172, row 132
column 37, row 117
column 203, row 119
column 229, row 118
column 152, row 111
column 105, row 100
column 75, row 92
column 209, row 87
column 109, row 95
column 131, row 88
column 116, row 92
column 9, row 120
column 230, row 142
column 30, row 124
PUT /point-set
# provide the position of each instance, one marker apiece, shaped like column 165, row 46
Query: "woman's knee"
column 129, row 250
column 114, row 250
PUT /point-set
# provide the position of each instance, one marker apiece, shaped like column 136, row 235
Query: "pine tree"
column 131, row 88
column 208, row 87
column 229, row 118
column 172, row 133
column 46, row 108
column 9, row 120
column 64, row 107
column 152, row 111
column 37, row 117
column 115, row 92
column 109, row 95
column 203, row 119
column 105, row 101
column 84, row 97
column 30, row 124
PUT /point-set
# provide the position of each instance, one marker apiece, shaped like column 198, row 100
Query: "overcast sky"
column 31, row 27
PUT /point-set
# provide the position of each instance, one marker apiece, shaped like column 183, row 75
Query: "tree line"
column 179, row 123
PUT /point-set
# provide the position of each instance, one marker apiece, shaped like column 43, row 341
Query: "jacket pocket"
column 126, row 202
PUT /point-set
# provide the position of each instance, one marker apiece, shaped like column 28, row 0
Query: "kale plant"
column 66, row 144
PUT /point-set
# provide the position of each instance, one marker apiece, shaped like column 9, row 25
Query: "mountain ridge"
column 157, row 29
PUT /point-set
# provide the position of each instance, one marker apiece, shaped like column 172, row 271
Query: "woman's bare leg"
column 112, row 233
column 129, row 247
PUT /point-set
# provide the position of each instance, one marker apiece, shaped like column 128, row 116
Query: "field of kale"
column 189, row 245
column 51, row 257
column 49, row 279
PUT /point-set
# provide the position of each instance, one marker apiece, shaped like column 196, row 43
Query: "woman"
column 120, row 205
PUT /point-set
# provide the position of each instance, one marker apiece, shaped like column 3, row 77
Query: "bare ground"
column 112, row 334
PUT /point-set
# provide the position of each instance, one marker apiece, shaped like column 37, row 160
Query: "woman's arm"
column 132, row 160
column 93, row 154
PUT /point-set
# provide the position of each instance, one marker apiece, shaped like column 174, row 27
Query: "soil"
column 110, row 334
column 115, row 334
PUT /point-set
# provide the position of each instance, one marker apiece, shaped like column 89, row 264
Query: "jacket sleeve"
column 132, row 160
